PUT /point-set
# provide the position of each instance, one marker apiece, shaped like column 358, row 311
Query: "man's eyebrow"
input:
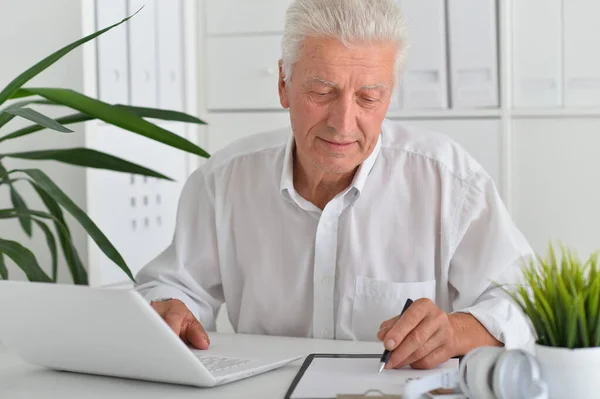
column 375, row 86
column 335, row 85
column 321, row 80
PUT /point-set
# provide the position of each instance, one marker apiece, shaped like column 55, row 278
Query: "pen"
column 386, row 353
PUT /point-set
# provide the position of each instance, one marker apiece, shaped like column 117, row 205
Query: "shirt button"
column 325, row 280
column 324, row 332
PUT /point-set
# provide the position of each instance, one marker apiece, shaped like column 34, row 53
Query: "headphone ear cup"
column 517, row 376
column 477, row 370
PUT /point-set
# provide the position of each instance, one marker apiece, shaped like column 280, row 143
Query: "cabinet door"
column 169, row 27
column 242, row 73
column 113, row 53
column 245, row 16
column 537, row 52
column 425, row 81
column 142, row 48
column 582, row 58
column 473, row 53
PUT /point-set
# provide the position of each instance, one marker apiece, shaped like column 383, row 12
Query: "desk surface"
column 22, row 380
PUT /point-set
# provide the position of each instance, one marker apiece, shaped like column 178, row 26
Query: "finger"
column 196, row 335
column 433, row 359
column 415, row 340
column 385, row 327
column 419, row 310
column 436, row 340
column 174, row 319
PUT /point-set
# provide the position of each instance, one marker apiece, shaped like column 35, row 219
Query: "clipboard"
column 422, row 381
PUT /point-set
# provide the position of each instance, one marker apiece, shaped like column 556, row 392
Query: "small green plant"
column 561, row 298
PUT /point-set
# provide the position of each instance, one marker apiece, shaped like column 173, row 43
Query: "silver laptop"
column 115, row 332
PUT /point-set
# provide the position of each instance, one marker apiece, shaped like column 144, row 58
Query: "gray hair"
column 346, row 20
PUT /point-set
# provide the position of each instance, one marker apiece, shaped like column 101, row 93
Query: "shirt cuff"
column 160, row 292
column 504, row 321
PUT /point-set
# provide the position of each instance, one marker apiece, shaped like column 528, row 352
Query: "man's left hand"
column 426, row 336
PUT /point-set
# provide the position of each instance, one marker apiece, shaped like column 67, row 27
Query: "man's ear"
column 283, row 93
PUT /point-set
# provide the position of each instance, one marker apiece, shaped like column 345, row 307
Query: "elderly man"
column 326, row 229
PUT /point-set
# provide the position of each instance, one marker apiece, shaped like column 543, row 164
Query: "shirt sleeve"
column 188, row 268
column 489, row 250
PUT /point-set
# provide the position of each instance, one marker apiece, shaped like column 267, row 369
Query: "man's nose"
column 342, row 115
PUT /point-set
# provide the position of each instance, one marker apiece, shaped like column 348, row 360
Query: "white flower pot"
column 570, row 373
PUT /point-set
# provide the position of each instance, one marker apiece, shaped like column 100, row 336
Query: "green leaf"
column 51, row 242
column 44, row 182
column 584, row 335
column 118, row 116
column 593, row 303
column 596, row 336
column 19, row 203
column 5, row 117
column 572, row 325
column 89, row 158
column 20, row 93
column 39, row 118
column 26, row 213
column 11, row 91
column 3, row 268
column 25, row 260
column 155, row 113
column 78, row 271
column 65, row 120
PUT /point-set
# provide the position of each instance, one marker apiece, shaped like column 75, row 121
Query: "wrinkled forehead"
column 330, row 62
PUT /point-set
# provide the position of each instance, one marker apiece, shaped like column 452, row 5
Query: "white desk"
column 21, row 380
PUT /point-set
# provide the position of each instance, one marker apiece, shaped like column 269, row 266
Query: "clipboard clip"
column 371, row 393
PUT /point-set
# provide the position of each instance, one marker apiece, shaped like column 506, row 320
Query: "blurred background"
column 517, row 83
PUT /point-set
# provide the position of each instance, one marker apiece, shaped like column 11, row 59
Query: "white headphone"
column 496, row 373
column 487, row 372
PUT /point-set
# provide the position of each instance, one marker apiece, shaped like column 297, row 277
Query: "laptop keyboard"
column 216, row 363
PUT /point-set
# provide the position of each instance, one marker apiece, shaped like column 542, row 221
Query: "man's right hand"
column 183, row 322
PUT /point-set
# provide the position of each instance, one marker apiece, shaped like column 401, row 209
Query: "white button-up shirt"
column 421, row 218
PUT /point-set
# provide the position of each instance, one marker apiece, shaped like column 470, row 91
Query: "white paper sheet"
column 328, row 377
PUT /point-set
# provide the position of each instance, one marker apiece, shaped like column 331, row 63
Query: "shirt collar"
column 287, row 175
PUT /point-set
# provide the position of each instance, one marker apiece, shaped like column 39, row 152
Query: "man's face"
column 338, row 98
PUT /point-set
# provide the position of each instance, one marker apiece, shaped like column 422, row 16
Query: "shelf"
column 397, row 114
column 444, row 114
column 555, row 112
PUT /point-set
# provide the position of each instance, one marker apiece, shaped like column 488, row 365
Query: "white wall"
column 556, row 175
column 29, row 31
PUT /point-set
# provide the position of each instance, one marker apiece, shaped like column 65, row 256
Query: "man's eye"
column 369, row 100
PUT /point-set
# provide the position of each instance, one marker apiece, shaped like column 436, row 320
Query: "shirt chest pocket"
column 376, row 301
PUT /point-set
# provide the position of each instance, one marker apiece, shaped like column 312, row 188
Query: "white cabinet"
column 170, row 40
column 142, row 50
column 227, row 17
column 424, row 83
column 242, row 72
column 473, row 53
column 537, row 53
column 582, row 58
column 113, row 53
column 146, row 54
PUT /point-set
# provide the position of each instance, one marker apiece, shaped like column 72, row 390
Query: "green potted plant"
column 561, row 298
column 16, row 101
